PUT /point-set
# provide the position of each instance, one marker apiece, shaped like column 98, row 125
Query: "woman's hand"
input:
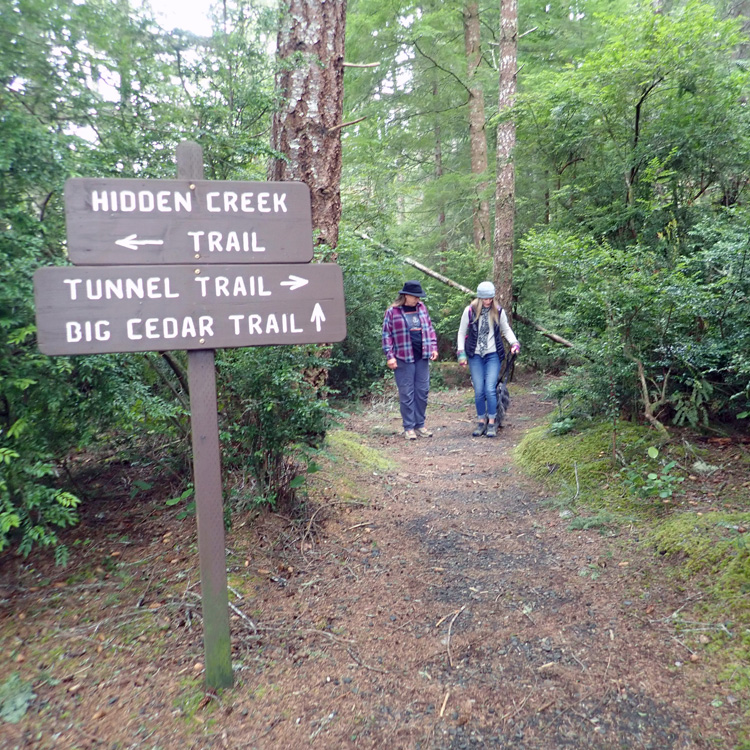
column 515, row 348
column 434, row 356
column 392, row 364
column 463, row 359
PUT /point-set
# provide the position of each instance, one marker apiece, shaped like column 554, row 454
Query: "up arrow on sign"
column 317, row 317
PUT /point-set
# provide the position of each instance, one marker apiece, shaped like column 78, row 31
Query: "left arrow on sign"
column 131, row 243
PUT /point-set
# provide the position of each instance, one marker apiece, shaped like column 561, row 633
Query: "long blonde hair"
column 476, row 307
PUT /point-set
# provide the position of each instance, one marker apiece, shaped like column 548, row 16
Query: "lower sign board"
column 98, row 310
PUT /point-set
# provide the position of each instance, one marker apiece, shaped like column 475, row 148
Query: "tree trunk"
column 442, row 241
column 477, row 132
column 306, row 126
column 505, row 202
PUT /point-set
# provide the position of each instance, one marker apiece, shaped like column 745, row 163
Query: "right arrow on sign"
column 295, row 282
column 317, row 316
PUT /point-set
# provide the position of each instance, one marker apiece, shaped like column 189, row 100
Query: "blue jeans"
column 413, row 382
column 484, row 374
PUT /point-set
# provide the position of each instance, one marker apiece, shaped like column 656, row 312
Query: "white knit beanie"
column 486, row 290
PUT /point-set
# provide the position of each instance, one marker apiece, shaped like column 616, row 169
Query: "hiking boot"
column 479, row 430
column 423, row 432
column 491, row 430
column 410, row 434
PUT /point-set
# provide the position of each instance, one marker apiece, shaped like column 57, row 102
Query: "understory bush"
column 271, row 420
column 661, row 333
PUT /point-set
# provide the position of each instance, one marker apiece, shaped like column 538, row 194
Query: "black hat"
column 414, row 288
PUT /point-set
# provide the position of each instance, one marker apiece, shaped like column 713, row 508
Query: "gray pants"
column 413, row 381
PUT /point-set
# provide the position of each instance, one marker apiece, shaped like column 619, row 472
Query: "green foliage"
column 186, row 497
column 15, row 697
column 668, row 317
column 272, row 419
column 652, row 479
column 371, row 278
column 96, row 89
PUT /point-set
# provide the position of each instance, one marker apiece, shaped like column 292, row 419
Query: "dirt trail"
column 455, row 609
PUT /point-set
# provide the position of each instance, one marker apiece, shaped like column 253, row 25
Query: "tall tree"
column 477, row 132
column 505, row 196
column 307, row 124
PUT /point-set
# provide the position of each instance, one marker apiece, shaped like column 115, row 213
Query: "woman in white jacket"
column 483, row 326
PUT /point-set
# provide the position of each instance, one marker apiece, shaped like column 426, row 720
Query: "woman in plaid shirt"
column 409, row 343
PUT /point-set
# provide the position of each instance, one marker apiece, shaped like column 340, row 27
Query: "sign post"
column 207, row 483
column 190, row 264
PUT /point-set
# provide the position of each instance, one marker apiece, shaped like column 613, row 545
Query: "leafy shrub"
column 271, row 419
column 653, row 478
column 371, row 280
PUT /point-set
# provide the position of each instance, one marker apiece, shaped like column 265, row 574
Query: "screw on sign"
column 196, row 265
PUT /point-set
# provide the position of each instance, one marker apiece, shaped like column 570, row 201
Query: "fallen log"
column 445, row 280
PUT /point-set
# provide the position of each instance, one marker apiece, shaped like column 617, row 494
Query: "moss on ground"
column 710, row 550
column 347, row 446
column 580, row 462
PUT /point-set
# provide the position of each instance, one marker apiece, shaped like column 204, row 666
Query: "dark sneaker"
column 479, row 430
column 491, row 430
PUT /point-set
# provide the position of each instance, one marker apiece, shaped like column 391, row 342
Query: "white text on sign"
column 175, row 201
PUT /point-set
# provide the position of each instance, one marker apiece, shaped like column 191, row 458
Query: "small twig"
column 445, row 701
column 517, row 709
column 357, row 525
column 583, row 666
column 239, row 612
column 345, row 124
column 687, row 648
column 450, row 660
column 362, row 664
column 443, row 619
column 323, row 722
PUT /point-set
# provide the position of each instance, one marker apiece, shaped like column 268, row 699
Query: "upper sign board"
column 138, row 222
column 106, row 309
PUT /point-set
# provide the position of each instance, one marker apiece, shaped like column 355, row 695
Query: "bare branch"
column 345, row 124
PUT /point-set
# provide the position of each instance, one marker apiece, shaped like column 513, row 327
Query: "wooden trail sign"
column 135, row 222
column 95, row 310
column 197, row 265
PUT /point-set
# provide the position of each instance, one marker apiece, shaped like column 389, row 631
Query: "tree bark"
column 442, row 241
column 477, row 132
column 505, row 202
column 307, row 125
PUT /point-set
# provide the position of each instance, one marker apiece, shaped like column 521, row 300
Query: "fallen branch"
column 461, row 288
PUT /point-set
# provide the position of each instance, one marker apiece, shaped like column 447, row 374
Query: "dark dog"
column 503, row 396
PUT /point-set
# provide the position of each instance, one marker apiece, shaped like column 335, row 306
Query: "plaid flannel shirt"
column 396, row 337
